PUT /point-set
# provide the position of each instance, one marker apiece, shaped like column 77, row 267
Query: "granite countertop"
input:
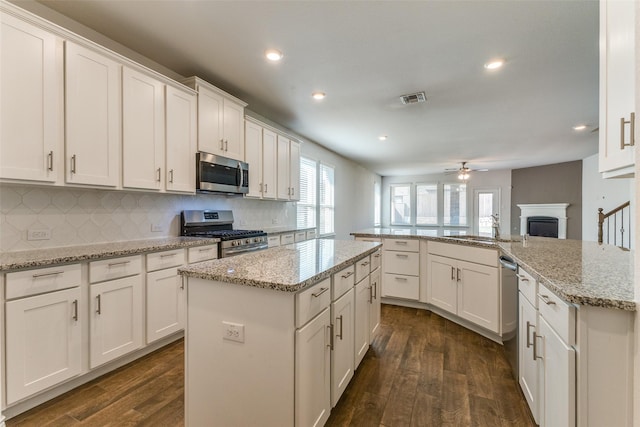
column 287, row 268
column 579, row 272
column 69, row 254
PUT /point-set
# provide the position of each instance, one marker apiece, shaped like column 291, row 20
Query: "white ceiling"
column 365, row 54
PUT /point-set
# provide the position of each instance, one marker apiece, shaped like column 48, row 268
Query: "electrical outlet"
column 156, row 228
column 232, row 331
column 39, row 234
column 275, row 221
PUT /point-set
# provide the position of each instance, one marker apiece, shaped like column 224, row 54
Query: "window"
column 306, row 217
column 455, row 204
column 427, row 204
column 317, row 194
column 401, row 204
column 326, row 213
column 376, row 203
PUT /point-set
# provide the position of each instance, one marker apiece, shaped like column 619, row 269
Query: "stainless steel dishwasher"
column 510, row 311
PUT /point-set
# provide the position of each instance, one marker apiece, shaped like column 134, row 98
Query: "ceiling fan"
column 463, row 171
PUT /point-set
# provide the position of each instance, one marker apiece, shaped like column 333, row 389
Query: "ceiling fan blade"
column 478, row 170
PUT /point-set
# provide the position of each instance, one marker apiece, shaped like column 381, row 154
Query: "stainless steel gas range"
column 219, row 224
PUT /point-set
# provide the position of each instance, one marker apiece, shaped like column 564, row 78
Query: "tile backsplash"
column 82, row 216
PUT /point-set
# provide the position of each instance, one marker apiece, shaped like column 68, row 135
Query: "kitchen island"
column 259, row 335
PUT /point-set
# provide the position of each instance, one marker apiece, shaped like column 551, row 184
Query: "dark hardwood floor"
column 421, row 370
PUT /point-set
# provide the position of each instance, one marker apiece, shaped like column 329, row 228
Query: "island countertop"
column 580, row 272
column 287, row 268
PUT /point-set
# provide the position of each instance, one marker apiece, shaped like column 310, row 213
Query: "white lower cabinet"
column 361, row 333
column 342, row 318
column 115, row 319
column 527, row 359
column 165, row 303
column 401, row 264
column 43, row 341
column 313, row 371
column 374, row 303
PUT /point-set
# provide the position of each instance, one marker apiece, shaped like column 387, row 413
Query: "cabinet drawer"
column 273, row 241
column 202, row 253
column 342, row 282
column 311, row 234
column 528, row 286
column 376, row 259
column 287, row 239
column 165, row 259
column 109, row 269
column 472, row 254
column 409, row 245
column 407, row 263
column 312, row 301
column 300, row 236
column 558, row 314
column 399, row 286
column 32, row 282
column 363, row 268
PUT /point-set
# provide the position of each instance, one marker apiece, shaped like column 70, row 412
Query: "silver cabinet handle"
column 453, row 273
column 261, row 188
column 50, row 161
column 116, row 264
column 535, row 347
column 631, row 123
column 458, row 275
column 205, row 249
column 171, row 176
column 364, row 264
column 53, row 273
column 266, row 188
column 168, row 255
column 75, row 310
column 73, row 164
column 222, row 145
column 181, row 282
column 402, row 256
column 340, row 334
column 376, row 256
column 347, row 274
column 226, row 145
column 330, row 328
column 400, row 242
column 158, row 173
column 99, row 304
column 529, row 325
column 322, row 291
column 546, row 299
column 288, row 191
column 375, row 290
column 293, row 191
column 521, row 277
column 402, row 279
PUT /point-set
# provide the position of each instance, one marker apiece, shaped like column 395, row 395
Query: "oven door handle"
column 227, row 252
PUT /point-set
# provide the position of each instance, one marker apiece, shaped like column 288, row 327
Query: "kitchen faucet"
column 495, row 224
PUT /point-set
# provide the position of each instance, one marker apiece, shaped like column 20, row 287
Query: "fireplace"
column 544, row 226
column 553, row 224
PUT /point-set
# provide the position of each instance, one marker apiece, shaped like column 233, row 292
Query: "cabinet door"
column 165, row 303
column 443, row 288
column 269, row 164
column 92, row 103
column 527, row 364
column 558, row 378
column 31, row 101
column 294, row 170
column 283, row 168
column 43, row 342
column 479, row 295
column 374, row 304
column 342, row 312
column 181, row 140
column 313, row 372
column 617, row 84
column 116, row 319
column 253, row 156
column 142, row 131
column 210, row 136
column 233, row 130
column 361, row 320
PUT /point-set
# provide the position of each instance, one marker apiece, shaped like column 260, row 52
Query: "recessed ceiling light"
column 580, row 127
column 383, row 137
column 318, row 95
column 494, row 64
column 273, row 55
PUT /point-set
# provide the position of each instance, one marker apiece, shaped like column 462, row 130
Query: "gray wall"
column 557, row 183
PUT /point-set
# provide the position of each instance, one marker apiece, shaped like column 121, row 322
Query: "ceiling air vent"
column 413, row 98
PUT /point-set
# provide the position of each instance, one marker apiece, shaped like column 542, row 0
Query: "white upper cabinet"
column 142, row 131
column 220, row 120
column 31, row 131
column 93, row 109
column 261, row 155
column 181, row 140
column 269, row 164
column 288, row 169
column 294, row 168
column 617, row 88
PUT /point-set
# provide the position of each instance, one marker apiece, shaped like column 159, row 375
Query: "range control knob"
column 247, row 241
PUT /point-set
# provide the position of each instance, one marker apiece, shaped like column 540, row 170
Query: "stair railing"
column 617, row 216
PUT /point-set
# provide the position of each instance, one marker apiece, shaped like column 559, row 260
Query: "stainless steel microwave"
column 217, row 174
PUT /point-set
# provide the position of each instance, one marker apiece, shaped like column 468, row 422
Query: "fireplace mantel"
column 554, row 210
